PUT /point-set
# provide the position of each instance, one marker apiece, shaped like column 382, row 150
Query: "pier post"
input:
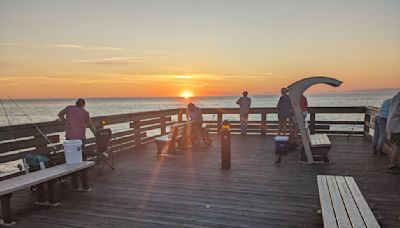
column 162, row 125
column 312, row 123
column 264, row 124
column 136, row 130
column 219, row 122
column 367, row 121
column 225, row 145
column 180, row 116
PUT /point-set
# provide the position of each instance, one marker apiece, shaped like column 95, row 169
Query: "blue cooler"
column 281, row 144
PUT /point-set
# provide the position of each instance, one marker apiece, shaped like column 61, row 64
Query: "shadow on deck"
column 190, row 190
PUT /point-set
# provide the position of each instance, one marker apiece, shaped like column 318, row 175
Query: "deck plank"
column 350, row 204
column 365, row 211
column 190, row 190
column 337, row 202
column 328, row 213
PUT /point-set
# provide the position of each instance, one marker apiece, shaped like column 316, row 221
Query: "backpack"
column 33, row 161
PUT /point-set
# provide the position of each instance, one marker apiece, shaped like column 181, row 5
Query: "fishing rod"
column 37, row 128
column 354, row 125
column 10, row 128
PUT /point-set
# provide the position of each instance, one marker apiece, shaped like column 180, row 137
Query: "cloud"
column 65, row 46
column 115, row 60
column 81, row 47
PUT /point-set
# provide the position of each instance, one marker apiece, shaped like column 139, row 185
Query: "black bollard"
column 225, row 145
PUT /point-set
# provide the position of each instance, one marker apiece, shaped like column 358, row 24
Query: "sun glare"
column 186, row 94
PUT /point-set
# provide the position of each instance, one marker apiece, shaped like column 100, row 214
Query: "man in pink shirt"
column 76, row 120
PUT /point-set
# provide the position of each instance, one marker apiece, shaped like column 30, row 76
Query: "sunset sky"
column 103, row 48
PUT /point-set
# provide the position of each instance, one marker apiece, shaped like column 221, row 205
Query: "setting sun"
column 186, row 94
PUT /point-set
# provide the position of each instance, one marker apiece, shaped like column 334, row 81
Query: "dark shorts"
column 395, row 138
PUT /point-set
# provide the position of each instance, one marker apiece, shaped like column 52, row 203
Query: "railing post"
column 219, row 122
column 180, row 116
column 367, row 120
column 136, row 130
column 312, row 123
column 163, row 127
column 263, row 123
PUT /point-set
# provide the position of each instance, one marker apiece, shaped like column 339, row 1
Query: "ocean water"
column 47, row 109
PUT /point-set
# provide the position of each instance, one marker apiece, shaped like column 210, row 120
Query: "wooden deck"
column 190, row 190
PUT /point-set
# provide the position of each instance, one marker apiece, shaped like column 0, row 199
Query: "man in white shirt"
column 244, row 104
column 393, row 130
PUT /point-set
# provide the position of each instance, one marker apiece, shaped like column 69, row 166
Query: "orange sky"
column 209, row 48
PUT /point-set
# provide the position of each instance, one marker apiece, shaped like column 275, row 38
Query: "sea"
column 27, row 111
column 41, row 110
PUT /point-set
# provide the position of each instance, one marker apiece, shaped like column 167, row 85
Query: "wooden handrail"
column 139, row 125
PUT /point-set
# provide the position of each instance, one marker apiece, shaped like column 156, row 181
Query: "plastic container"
column 281, row 144
column 73, row 151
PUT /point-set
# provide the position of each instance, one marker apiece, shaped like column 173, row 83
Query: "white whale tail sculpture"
column 296, row 90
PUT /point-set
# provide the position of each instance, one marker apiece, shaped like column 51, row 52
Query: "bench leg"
column 6, row 208
column 51, row 194
column 159, row 147
column 41, row 197
column 85, row 183
column 74, row 181
column 172, row 148
column 325, row 157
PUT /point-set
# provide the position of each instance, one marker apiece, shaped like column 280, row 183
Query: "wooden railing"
column 265, row 121
column 369, row 125
column 136, row 129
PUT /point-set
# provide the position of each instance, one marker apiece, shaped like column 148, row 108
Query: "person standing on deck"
column 196, row 117
column 380, row 127
column 393, row 130
column 284, row 112
column 244, row 108
column 76, row 120
column 303, row 107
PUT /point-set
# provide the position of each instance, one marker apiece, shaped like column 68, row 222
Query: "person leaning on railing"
column 380, row 127
column 76, row 120
column 393, row 130
column 195, row 115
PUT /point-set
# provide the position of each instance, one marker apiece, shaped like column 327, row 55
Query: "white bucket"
column 73, row 151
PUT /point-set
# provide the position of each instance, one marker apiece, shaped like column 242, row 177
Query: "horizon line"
column 215, row 95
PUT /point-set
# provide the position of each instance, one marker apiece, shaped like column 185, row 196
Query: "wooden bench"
column 342, row 203
column 320, row 145
column 46, row 176
column 167, row 143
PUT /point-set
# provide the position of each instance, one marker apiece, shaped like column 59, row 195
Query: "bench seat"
column 164, row 138
column 342, row 203
column 320, row 140
column 166, row 143
column 320, row 146
column 48, row 176
column 40, row 176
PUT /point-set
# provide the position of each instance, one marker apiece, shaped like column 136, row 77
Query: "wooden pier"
column 190, row 189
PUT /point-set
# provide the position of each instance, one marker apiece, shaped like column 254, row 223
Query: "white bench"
column 342, row 203
column 320, row 146
column 166, row 143
column 48, row 176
